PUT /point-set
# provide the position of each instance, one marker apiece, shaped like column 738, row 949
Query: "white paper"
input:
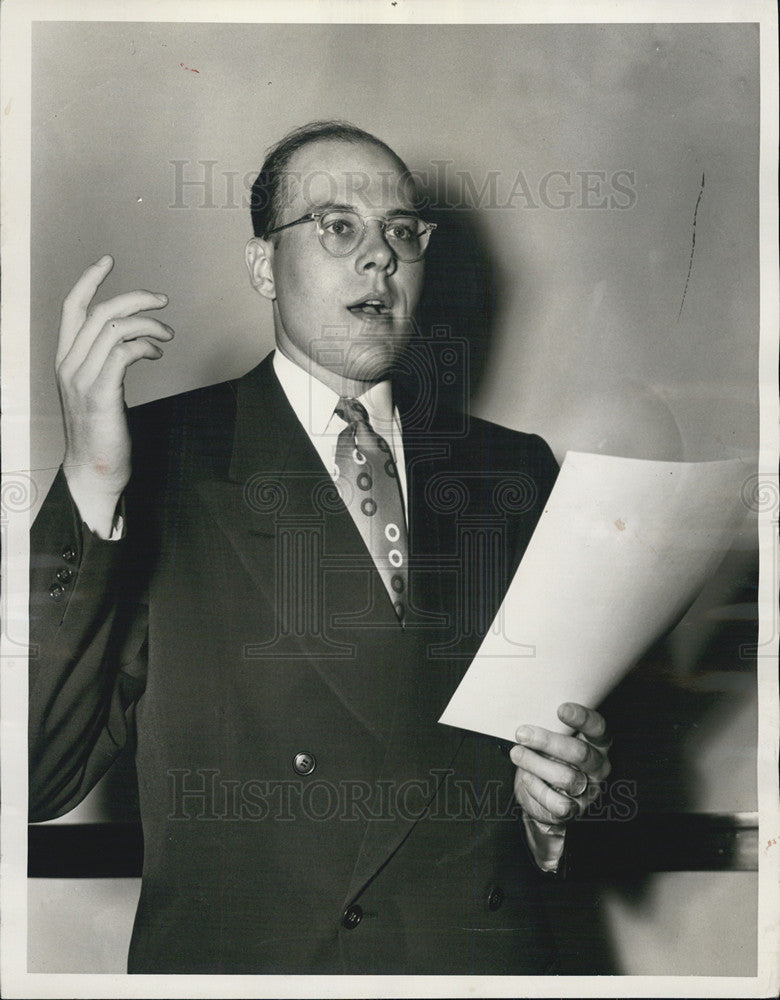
column 621, row 550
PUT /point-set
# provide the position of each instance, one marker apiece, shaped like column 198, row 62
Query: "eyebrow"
column 330, row 206
column 327, row 206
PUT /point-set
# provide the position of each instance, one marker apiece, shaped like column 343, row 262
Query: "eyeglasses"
column 341, row 232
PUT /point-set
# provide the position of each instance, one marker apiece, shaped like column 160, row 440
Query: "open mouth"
column 371, row 305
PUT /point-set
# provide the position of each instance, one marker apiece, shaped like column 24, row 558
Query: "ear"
column 259, row 262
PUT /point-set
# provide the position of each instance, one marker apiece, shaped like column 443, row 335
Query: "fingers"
column 121, row 357
column 81, row 322
column 114, row 333
column 103, row 314
column 97, row 345
column 587, row 721
column 547, row 804
column 560, row 776
column 77, row 301
column 592, row 792
column 92, row 358
column 569, row 750
column 541, row 802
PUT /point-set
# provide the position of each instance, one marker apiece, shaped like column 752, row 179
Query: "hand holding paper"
column 558, row 776
column 621, row 550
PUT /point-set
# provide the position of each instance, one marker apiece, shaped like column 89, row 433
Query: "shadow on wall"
column 461, row 297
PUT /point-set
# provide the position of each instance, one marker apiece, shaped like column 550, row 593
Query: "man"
column 271, row 588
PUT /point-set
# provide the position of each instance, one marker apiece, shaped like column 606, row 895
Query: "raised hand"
column 97, row 345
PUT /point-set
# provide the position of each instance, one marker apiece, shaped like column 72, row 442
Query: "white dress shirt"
column 314, row 404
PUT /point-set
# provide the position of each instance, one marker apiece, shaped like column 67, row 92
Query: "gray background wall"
column 576, row 308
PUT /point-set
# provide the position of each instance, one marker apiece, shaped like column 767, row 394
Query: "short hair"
column 268, row 194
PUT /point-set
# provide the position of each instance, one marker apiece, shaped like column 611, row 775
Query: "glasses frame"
column 383, row 222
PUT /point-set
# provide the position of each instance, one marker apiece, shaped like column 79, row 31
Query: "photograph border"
column 16, row 22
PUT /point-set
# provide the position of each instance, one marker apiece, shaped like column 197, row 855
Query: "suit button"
column 69, row 554
column 352, row 916
column 495, row 898
column 304, row 763
column 56, row 592
column 64, row 575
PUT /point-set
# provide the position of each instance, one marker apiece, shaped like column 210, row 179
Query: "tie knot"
column 351, row 411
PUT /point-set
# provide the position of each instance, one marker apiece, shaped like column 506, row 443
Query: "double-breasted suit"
column 303, row 811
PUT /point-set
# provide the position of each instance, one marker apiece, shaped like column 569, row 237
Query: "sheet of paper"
column 620, row 551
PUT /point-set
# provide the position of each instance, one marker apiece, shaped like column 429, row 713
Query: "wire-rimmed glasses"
column 341, row 231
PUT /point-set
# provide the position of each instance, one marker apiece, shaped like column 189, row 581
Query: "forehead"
column 361, row 174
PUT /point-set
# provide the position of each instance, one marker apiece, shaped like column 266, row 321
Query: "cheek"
column 297, row 290
column 412, row 284
column 305, row 284
column 290, row 275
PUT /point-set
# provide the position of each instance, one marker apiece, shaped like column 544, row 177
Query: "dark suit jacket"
column 239, row 634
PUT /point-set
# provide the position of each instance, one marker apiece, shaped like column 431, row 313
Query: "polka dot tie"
column 367, row 481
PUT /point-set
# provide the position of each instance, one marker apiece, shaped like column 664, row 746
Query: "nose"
column 374, row 253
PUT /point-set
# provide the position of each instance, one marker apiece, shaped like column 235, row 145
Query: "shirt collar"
column 314, row 402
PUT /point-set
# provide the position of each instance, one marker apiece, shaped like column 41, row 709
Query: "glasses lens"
column 407, row 236
column 340, row 232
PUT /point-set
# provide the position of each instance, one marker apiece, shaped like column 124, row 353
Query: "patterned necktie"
column 367, row 480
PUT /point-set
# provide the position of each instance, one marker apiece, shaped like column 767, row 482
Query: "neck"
column 339, row 383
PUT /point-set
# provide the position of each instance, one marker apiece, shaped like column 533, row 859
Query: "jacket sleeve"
column 88, row 623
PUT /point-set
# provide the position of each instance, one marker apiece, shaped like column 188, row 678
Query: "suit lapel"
column 283, row 517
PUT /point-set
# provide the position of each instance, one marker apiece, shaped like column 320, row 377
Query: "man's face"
column 324, row 318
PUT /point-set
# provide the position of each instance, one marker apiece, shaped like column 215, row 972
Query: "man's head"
column 346, row 317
